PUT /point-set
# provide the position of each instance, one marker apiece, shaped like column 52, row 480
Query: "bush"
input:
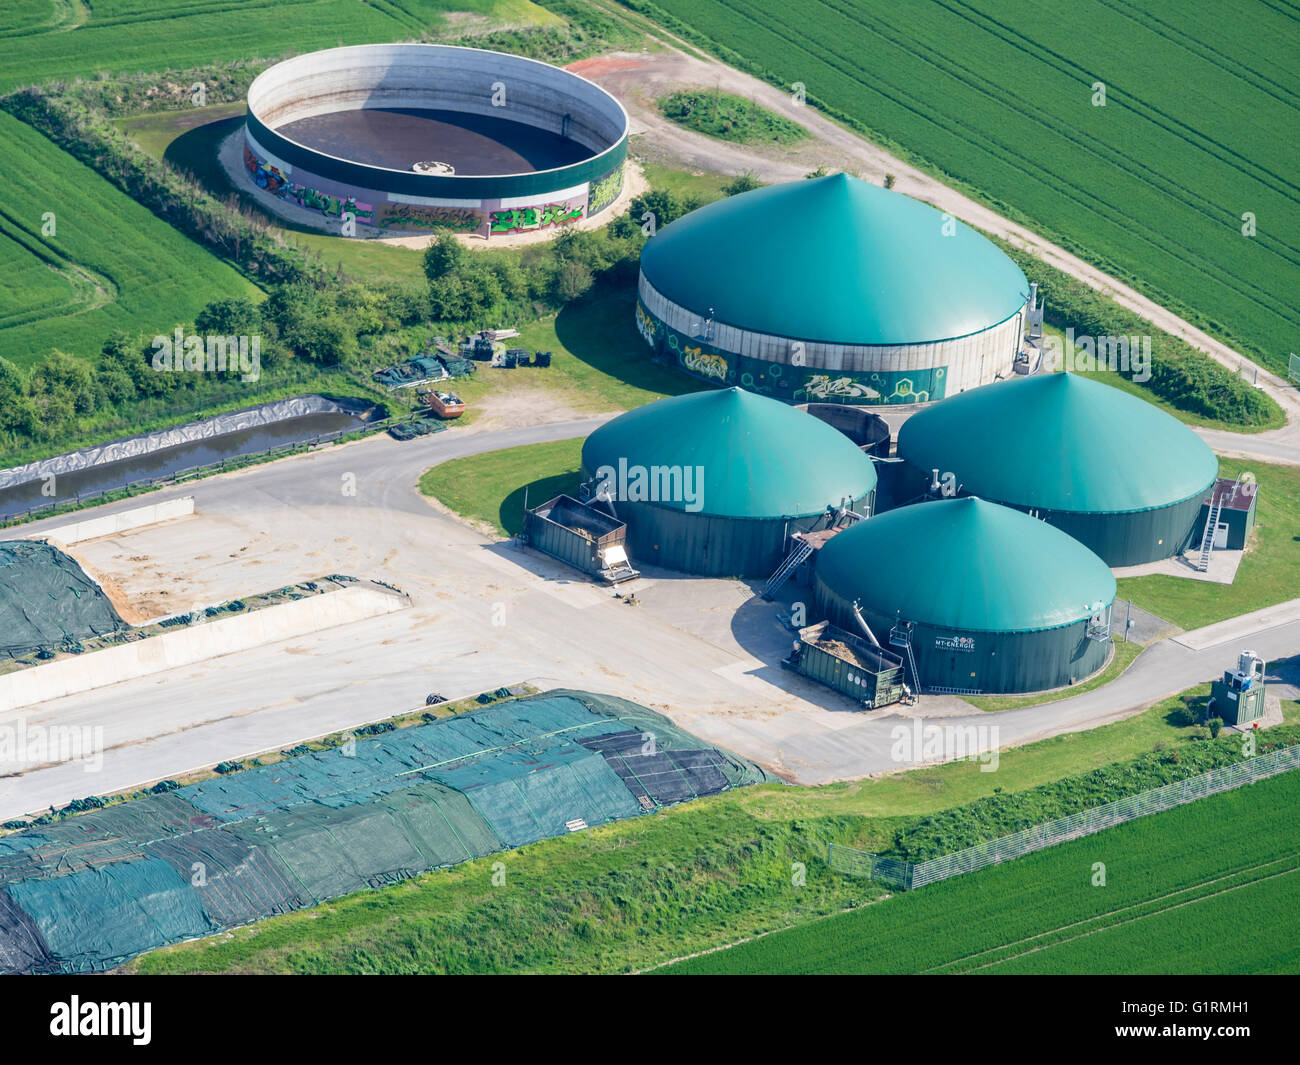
column 1215, row 725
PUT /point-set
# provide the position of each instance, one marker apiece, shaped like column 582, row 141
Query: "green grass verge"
column 1183, row 892
column 729, row 117
column 491, row 488
column 1124, row 655
column 1270, row 570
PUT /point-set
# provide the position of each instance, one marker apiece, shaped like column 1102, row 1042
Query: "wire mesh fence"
column 909, row 876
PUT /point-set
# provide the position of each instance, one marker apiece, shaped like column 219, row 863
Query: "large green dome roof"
column 835, row 260
column 1060, row 442
column 760, row 457
column 966, row 564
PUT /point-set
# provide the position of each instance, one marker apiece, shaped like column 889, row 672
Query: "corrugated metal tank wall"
column 997, row 663
column 712, row 546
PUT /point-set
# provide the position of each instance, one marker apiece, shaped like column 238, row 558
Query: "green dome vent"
column 966, row 565
column 838, row 260
column 759, row 458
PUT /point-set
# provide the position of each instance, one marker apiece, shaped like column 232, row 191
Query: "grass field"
column 132, row 35
column 1270, row 570
column 642, row 892
column 109, row 264
column 998, row 95
column 1211, row 887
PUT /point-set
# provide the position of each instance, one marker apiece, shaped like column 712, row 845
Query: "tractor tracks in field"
column 1104, row 921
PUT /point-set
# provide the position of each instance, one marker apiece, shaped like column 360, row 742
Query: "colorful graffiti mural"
column 525, row 219
column 427, row 216
column 793, row 384
column 647, row 326
column 605, row 191
column 272, row 180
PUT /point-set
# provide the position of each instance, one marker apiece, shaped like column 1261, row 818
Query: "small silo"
column 1118, row 474
column 989, row 599
column 712, row 483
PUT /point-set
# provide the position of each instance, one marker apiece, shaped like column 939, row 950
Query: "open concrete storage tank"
column 713, row 482
column 1119, row 475
column 996, row 601
column 831, row 290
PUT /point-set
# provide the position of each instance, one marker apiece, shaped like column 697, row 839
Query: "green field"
column 110, row 263
column 997, row 95
column 129, row 35
column 1211, row 887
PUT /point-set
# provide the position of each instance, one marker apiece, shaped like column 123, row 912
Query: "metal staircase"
column 1207, row 540
column 797, row 557
column 901, row 636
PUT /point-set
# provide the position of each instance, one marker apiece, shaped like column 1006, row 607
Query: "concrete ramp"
column 199, row 642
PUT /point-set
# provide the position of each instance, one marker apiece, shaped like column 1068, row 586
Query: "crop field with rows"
column 1213, row 886
column 999, row 95
column 108, row 264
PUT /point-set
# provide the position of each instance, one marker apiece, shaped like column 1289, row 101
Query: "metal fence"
column 873, row 866
column 1039, row 837
column 1293, row 368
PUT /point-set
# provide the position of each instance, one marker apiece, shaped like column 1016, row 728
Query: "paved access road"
column 485, row 614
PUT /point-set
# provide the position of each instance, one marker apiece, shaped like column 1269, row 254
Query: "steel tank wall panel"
column 1000, row 663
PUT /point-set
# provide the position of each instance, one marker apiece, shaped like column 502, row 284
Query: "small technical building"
column 715, row 483
column 975, row 597
column 1232, row 504
column 1116, row 473
column 1239, row 697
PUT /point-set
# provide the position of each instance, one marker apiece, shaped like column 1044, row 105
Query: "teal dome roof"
column 1060, row 442
column 835, row 260
column 966, row 564
column 760, row 458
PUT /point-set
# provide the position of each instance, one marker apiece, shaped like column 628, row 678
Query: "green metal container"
column 848, row 664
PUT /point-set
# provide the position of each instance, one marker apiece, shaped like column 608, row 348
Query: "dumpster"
column 848, row 664
column 582, row 536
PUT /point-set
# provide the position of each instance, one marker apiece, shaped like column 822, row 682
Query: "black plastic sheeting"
column 666, row 777
column 219, row 425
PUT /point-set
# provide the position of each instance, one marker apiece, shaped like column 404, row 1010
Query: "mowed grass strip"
column 998, row 97
column 1269, row 572
column 1067, row 919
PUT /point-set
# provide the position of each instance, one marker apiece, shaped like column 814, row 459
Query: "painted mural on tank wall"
column 793, row 384
column 540, row 216
column 270, row 178
column 605, row 191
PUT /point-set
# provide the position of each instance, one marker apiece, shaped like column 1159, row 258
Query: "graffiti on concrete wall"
column 605, row 191
column 272, row 180
column 526, row 219
column 428, row 216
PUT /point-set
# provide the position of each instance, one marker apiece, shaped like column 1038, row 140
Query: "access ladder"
column 797, row 557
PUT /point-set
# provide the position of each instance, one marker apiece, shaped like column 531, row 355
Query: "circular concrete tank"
column 414, row 137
